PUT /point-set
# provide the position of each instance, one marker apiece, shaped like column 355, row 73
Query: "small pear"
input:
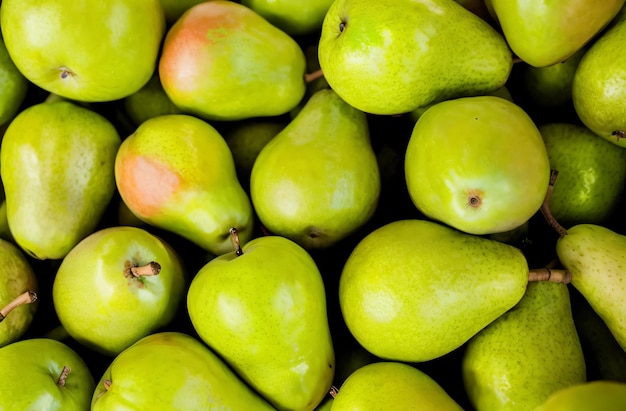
column 594, row 395
column 596, row 257
column 57, row 162
column 391, row 386
column 176, row 172
column 525, row 355
column 414, row 290
column 599, row 85
column 149, row 101
column 13, row 84
column 296, row 18
column 318, row 180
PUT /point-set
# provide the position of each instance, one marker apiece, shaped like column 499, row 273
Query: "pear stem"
column 517, row 60
column 310, row 77
column 333, row 391
column 549, row 274
column 235, row 238
column 107, row 385
column 150, row 269
column 545, row 206
column 63, row 376
column 26, row 297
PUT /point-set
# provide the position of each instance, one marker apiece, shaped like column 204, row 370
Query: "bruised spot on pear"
column 146, row 185
column 619, row 134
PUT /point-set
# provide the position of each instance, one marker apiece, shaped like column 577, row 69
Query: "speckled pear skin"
column 392, row 386
column 599, row 86
column 596, row 257
column 594, row 395
column 390, row 57
column 524, row 356
column 414, row 290
column 592, row 173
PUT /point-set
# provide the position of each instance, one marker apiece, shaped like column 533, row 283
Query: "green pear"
column 296, row 18
column 149, row 101
column 596, row 256
column 414, row 290
column 262, row 308
column 390, row 385
column 551, row 86
column 116, row 286
column 43, row 374
column 18, row 293
column 528, row 353
column 172, row 371
column 592, row 174
column 176, row 172
column 390, row 57
column 593, row 395
column 546, row 33
column 318, row 180
column 478, row 164
column 56, row 163
column 599, row 86
column 92, row 51
column 223, row 61
column 13, row 84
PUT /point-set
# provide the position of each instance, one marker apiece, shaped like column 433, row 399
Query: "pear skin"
column 593, row 395
column 177, row 173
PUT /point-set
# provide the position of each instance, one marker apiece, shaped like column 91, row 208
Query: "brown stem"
column 26, row 297
column 545, row 206
column 106, row 384
column 150, row 269
column 333, row 391
column 63, row 376
column 517, row 60
column 310, row 77
column 550, row 274
column 235, row 238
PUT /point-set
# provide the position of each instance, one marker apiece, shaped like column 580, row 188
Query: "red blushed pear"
column 223, row 61
column 177, row 173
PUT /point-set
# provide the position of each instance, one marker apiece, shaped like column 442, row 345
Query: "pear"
column 13, row 84
column 317, row 181
column 592, row 174
column 390, row 57
column 295, row 18
column 57, row 162
column 593, row 395
column 546, row 33
column 390, row 385
column 149, row 101
column 478, row 164
column 176, row 172
column 596, row 256
column 599, row 85
column 414, row 290
column 223, row 61
column 262, row 308
column 526, row 354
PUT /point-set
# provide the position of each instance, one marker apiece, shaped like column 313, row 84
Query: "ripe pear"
column 56, row 163
column 223, row 61
column 543, row 34
column 528, row 353
column 177, row 173
column 599, row 86
column 317, row 181
column 390, row 57
column 592, row 174
column 172, row 371
column 295, row 18
column 593, row 395
column 391, row 385
column 13, row 85
column 262, row 308
column 596, row 257
column 92, row 51
column 414, row 290
column 478, row 164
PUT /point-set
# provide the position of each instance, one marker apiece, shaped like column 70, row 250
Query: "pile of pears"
column 313, row 205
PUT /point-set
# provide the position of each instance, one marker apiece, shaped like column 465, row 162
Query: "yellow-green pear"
column 528, row 353
column 601, row 395
column 415, row 290
column 391, row 386
column 599, row 86
column 13, row 86
column 149, row 101
column 176, row 172
column 596, row 257
column 478, row 164
column 57, row 164
column 543, row 33
column 391, row 57
column 294, row 17
column 317, row 181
